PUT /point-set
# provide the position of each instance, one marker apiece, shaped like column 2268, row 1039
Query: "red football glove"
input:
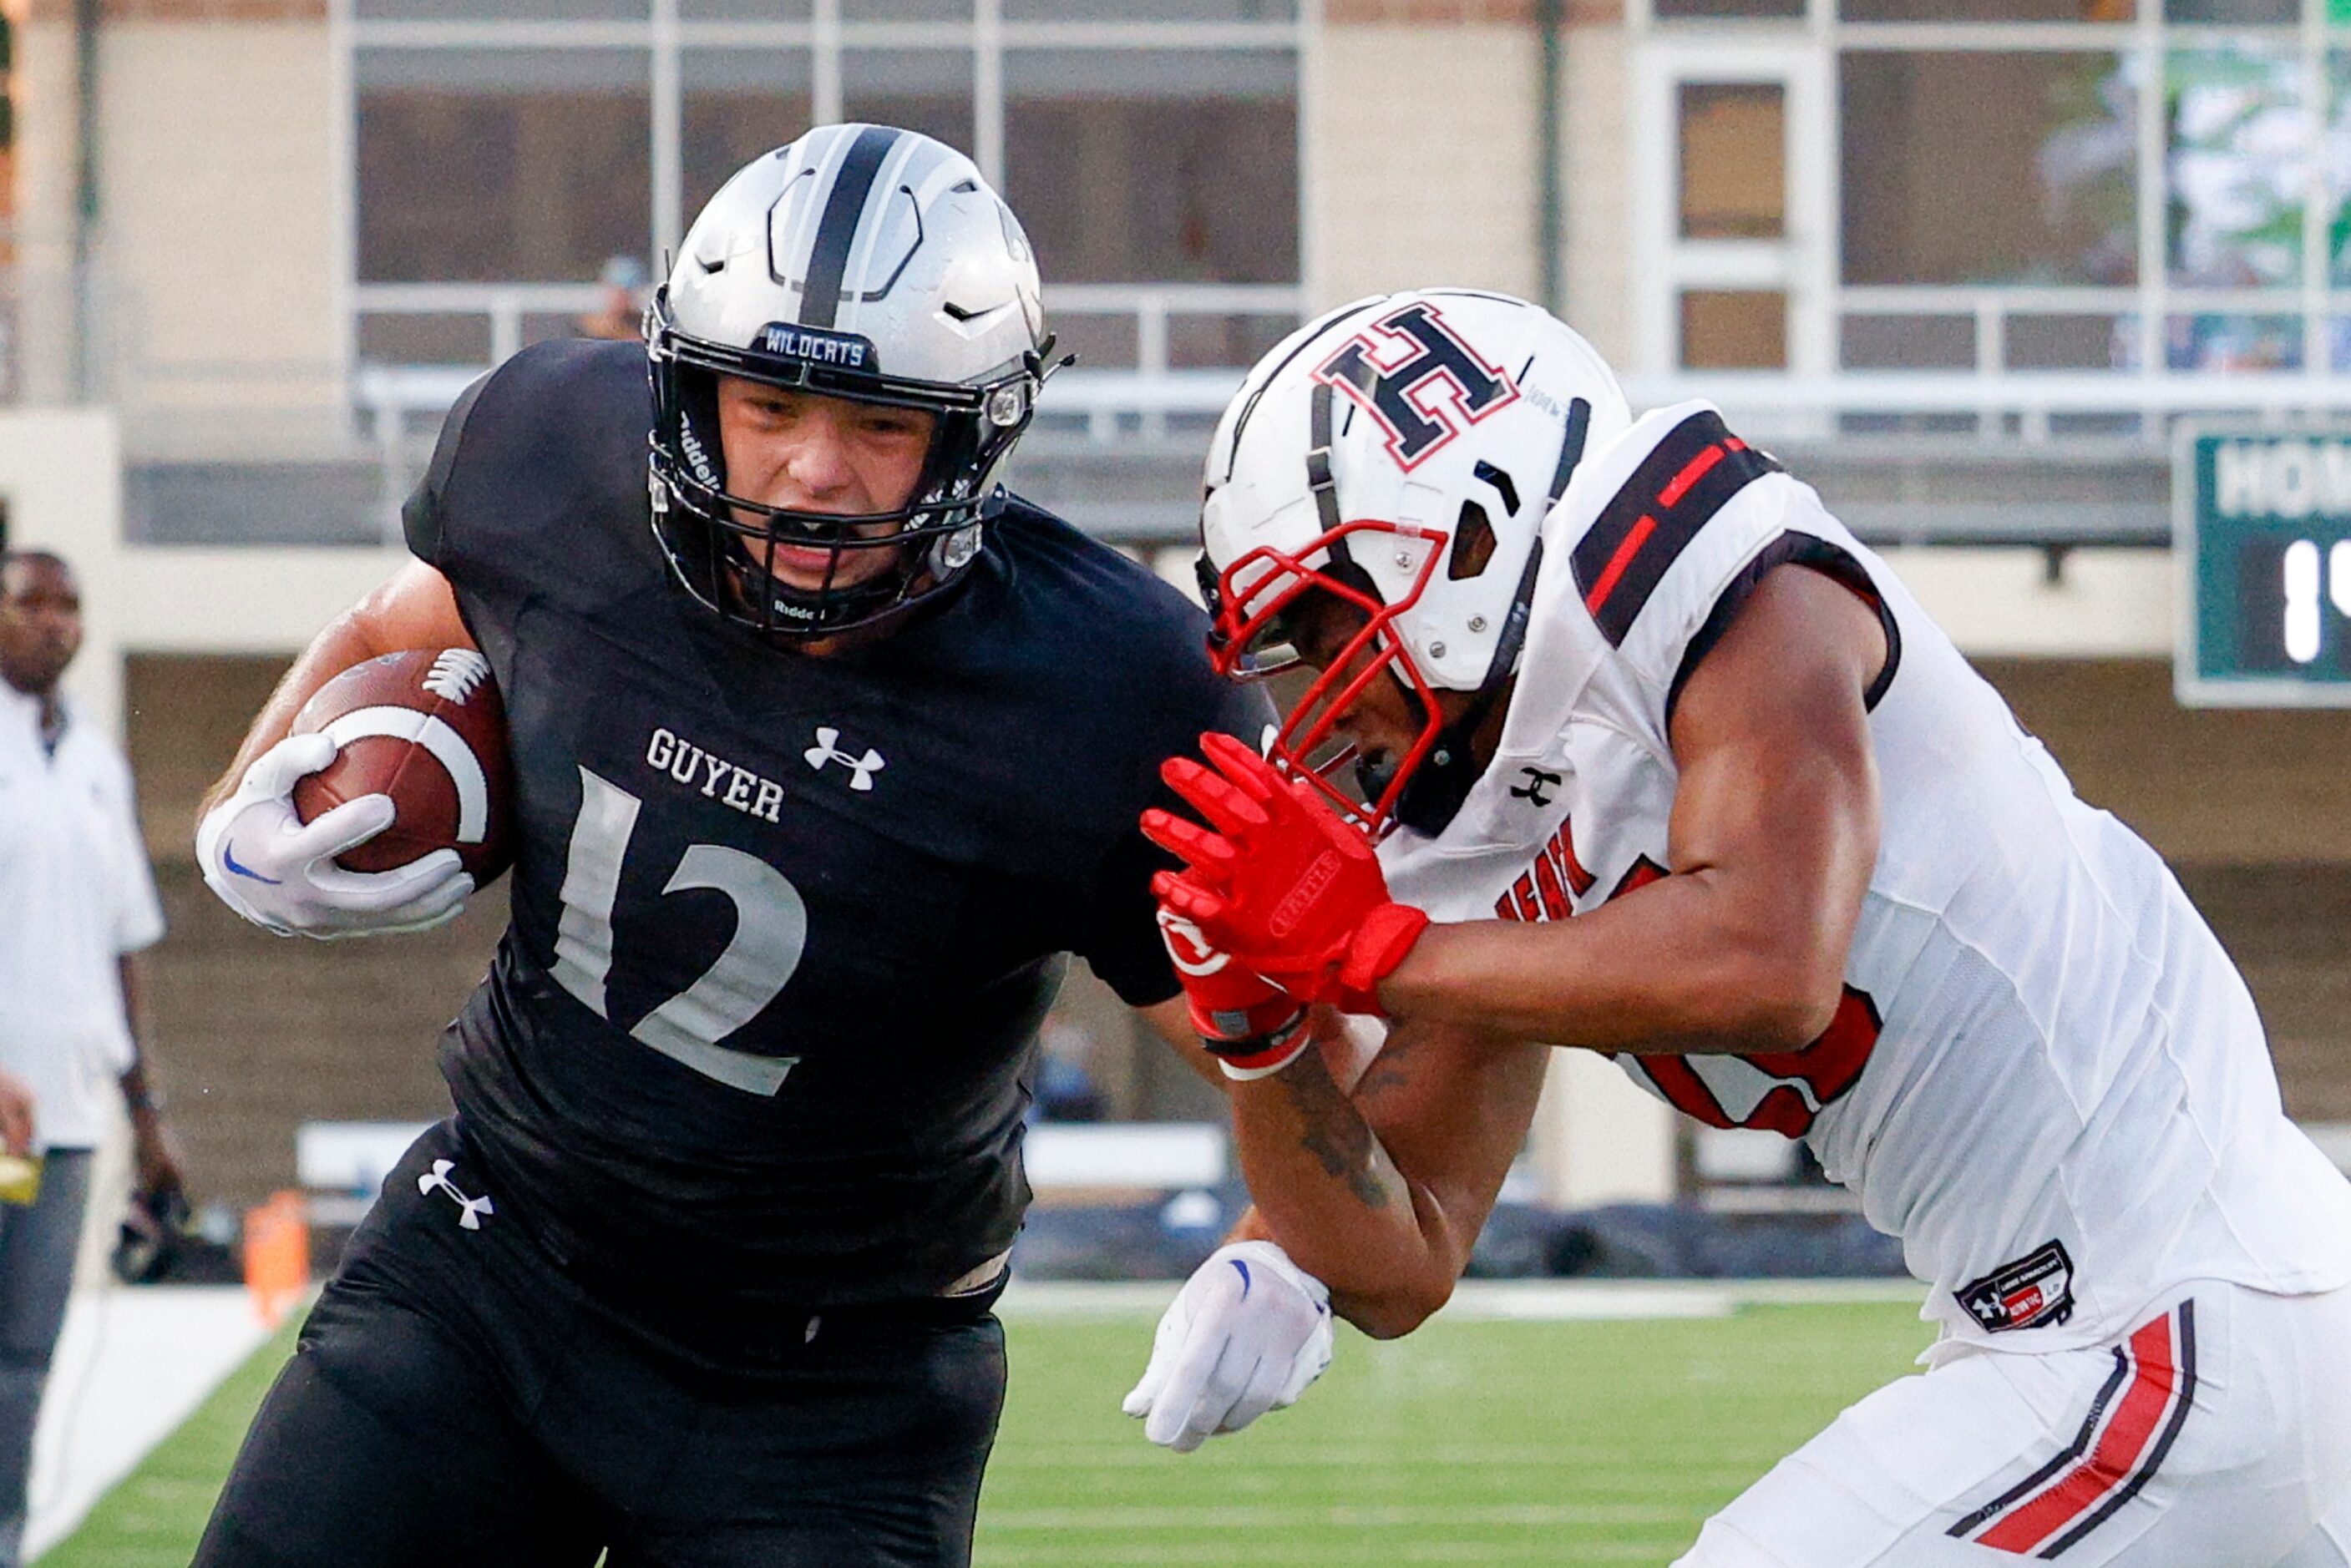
column 1251, row 1027
column 1283, row 884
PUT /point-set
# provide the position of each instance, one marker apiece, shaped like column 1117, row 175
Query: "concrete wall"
column 217, row 248
column 1421, row 156
column 1596, row 170
column 1420, row 160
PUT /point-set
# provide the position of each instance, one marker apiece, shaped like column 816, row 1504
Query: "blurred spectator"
column 80, row 899
column 623, row 314
column 1066, row 1090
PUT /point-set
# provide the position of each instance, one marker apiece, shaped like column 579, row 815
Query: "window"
column 928, row 90
column 2019, row 185
column 1734, row 179
column 1923, row 205
column 737, row 103
column 1176, row 166
column 1734, row 329
column 481, row 165
column 510, row 154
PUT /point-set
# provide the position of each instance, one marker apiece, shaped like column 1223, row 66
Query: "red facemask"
column 1253, row 603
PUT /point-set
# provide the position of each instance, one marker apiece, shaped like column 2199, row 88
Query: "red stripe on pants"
column 2153, row 1351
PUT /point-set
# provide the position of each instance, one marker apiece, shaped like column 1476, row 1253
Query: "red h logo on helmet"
column 1397, row 393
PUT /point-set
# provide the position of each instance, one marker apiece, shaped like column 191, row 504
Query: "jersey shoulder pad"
column 558, row 425
column 1678, row 513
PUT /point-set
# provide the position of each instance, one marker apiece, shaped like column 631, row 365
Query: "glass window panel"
column 1734, row 329
column 1150, row 10
column 2236, row 11
column 1224, row 342
column 2239, row 136
column 1101, row 341
column 1734, row 145
column 928, row 90
column 1765, row 9
column 1908, row 342
column 2335, row 154
column 484, row 166
column 737, row 104
column 744, row 10
column 500, row 10
column 397, row 337
column 1133, row 166
column 905, row 11
column 2039, row 192
column 1988, row 10
column 2073, row 342
column 2232, row 341
column 2338, row 343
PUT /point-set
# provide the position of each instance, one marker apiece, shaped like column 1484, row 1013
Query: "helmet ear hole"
column 1473, row 542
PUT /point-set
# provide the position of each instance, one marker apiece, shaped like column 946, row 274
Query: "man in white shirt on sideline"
column 79, row 900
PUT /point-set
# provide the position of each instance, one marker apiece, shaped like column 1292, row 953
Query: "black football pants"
column 454, row 1415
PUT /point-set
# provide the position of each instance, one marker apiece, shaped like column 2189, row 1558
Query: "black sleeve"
column 425, row 518
column 1122, row 930
column 1792, row 549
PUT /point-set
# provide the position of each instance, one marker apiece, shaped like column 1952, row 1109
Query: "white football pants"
column 2216, row 1434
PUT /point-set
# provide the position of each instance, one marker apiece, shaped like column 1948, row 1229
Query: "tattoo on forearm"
column 1388, row 1070
column 1335, row 1136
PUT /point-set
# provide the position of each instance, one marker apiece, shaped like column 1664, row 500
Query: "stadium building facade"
column 1962, row 263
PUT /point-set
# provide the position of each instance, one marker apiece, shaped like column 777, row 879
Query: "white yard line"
column 131, row 1365
column 1490, row 1300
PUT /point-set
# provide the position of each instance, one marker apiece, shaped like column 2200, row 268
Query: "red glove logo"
column 1187, row 949
column 1312, row 886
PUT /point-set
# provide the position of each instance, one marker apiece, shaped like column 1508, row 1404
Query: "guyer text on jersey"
column 715, row 776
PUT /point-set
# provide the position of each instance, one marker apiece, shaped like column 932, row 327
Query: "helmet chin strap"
column 1432, row 796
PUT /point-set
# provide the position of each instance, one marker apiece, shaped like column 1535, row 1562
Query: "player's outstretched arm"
column 279, row 872
column 1771, row 841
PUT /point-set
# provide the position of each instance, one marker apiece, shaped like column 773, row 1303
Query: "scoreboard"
column 2261, row 535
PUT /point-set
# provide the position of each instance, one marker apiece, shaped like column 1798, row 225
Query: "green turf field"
column 1470, row 1442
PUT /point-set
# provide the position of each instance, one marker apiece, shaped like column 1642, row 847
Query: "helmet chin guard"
column 860, row 263
column 1253, row 605
column 1396, row 458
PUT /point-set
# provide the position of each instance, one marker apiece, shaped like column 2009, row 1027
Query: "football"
column 426, row 728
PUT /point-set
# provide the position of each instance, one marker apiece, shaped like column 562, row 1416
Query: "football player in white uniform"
column 1653, row 758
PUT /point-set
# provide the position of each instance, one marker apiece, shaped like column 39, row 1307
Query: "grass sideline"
column 1469, row 1442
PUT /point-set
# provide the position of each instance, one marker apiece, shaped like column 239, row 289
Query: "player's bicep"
column 415, row 607
column 1778, row 790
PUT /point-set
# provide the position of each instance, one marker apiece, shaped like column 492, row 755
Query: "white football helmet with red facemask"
column 1399, row 454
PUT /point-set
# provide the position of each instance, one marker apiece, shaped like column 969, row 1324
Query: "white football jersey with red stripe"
column 2046, row 1077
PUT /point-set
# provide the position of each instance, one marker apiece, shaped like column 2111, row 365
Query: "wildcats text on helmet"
column 819, row 347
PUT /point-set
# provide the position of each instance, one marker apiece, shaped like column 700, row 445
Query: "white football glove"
column 1245, row 1335
column 278, row 871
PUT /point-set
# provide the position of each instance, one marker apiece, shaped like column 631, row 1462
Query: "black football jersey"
column 784, row 926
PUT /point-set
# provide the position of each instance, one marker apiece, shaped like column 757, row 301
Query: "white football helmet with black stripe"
column 1400, row 454
column 859, row 262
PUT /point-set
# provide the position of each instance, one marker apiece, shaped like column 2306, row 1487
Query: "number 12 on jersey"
column 770, row 931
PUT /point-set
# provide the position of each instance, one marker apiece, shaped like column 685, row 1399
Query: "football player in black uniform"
column 824, row 756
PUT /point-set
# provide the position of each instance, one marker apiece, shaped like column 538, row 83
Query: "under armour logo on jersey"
column 469, row 1209
column 1420, row 348
column 1537, row 782
column 827, row 749
column 455, row 674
